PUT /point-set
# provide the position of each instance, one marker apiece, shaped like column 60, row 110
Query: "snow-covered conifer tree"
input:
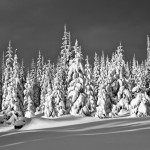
column 148, row 52
column 22, row 72
column 76, row 103
column 103, row 71
column 37, row 82
column 107, row 66
column 96, row 69
column 39, row 67
column 55, row 99
column 8, row 72
column 89, row 88
column 33, row 70
column 96, row 74
column 17, row 88
column 28, row 97
column 46, row 87
column 3, row 66
column 66, row 53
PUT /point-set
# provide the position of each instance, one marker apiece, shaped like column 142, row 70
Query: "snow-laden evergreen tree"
column 3, row 66
column 77, row 99
column 148, row 52
column 12, row 104
column 2, row 79
column 107, row 66
column 134, row 68
column 9, row 55
column 8, row 73
column 33, row 69
column 119, row 56
column 66, row 55
column 127, row 68
column 96, row 74
column 46, row 87
column 114, row 87
column 44, row 84
column 54, row 99
column 37, row 93
column 103, row 71
column 137, row 73
column 147, row 78
column 17, row 88
column 39, row 67
column 147, row 64
column 37, row 81
column 29, row 93
column 89, row 88
column 143, row 75
column 28, row 97
column 22, row 73
column 59, row 91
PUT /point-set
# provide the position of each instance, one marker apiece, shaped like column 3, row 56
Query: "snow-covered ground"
column 74, row 132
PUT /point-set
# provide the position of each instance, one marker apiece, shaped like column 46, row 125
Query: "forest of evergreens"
column 106, row 88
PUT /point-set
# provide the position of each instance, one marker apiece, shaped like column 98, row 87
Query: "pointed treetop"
column 76, row 42
column 76, row 46
column 22, row 62
column 87, row 59
column 96, row 57
column 42, row 60
column 65, row 28
column 120, row 43
column 39, row 53
column 32, row 64
column 9, row 55
column 39, row 58
column 120, row 46
column 9, row 49
column 102, row 53
column 16, row 50
column 9, row 45
column 9, row 42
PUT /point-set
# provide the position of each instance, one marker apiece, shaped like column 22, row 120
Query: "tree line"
column 73, row 85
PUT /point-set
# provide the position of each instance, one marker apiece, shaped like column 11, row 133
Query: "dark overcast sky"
column 35, row 25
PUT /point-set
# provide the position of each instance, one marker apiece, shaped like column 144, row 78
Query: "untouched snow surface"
column 41, row 123
column 75, row 132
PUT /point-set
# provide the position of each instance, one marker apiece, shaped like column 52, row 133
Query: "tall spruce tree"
column 66, row 55
column 96, row 74
column 76, row 103
column 148, row 52
column 28, row 97
column 89, row 88
column 8, row 73
column 17, row 88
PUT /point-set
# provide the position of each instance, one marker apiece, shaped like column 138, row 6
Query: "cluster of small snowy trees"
column 74, row 86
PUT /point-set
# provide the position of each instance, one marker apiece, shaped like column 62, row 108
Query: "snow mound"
column 41, row 123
